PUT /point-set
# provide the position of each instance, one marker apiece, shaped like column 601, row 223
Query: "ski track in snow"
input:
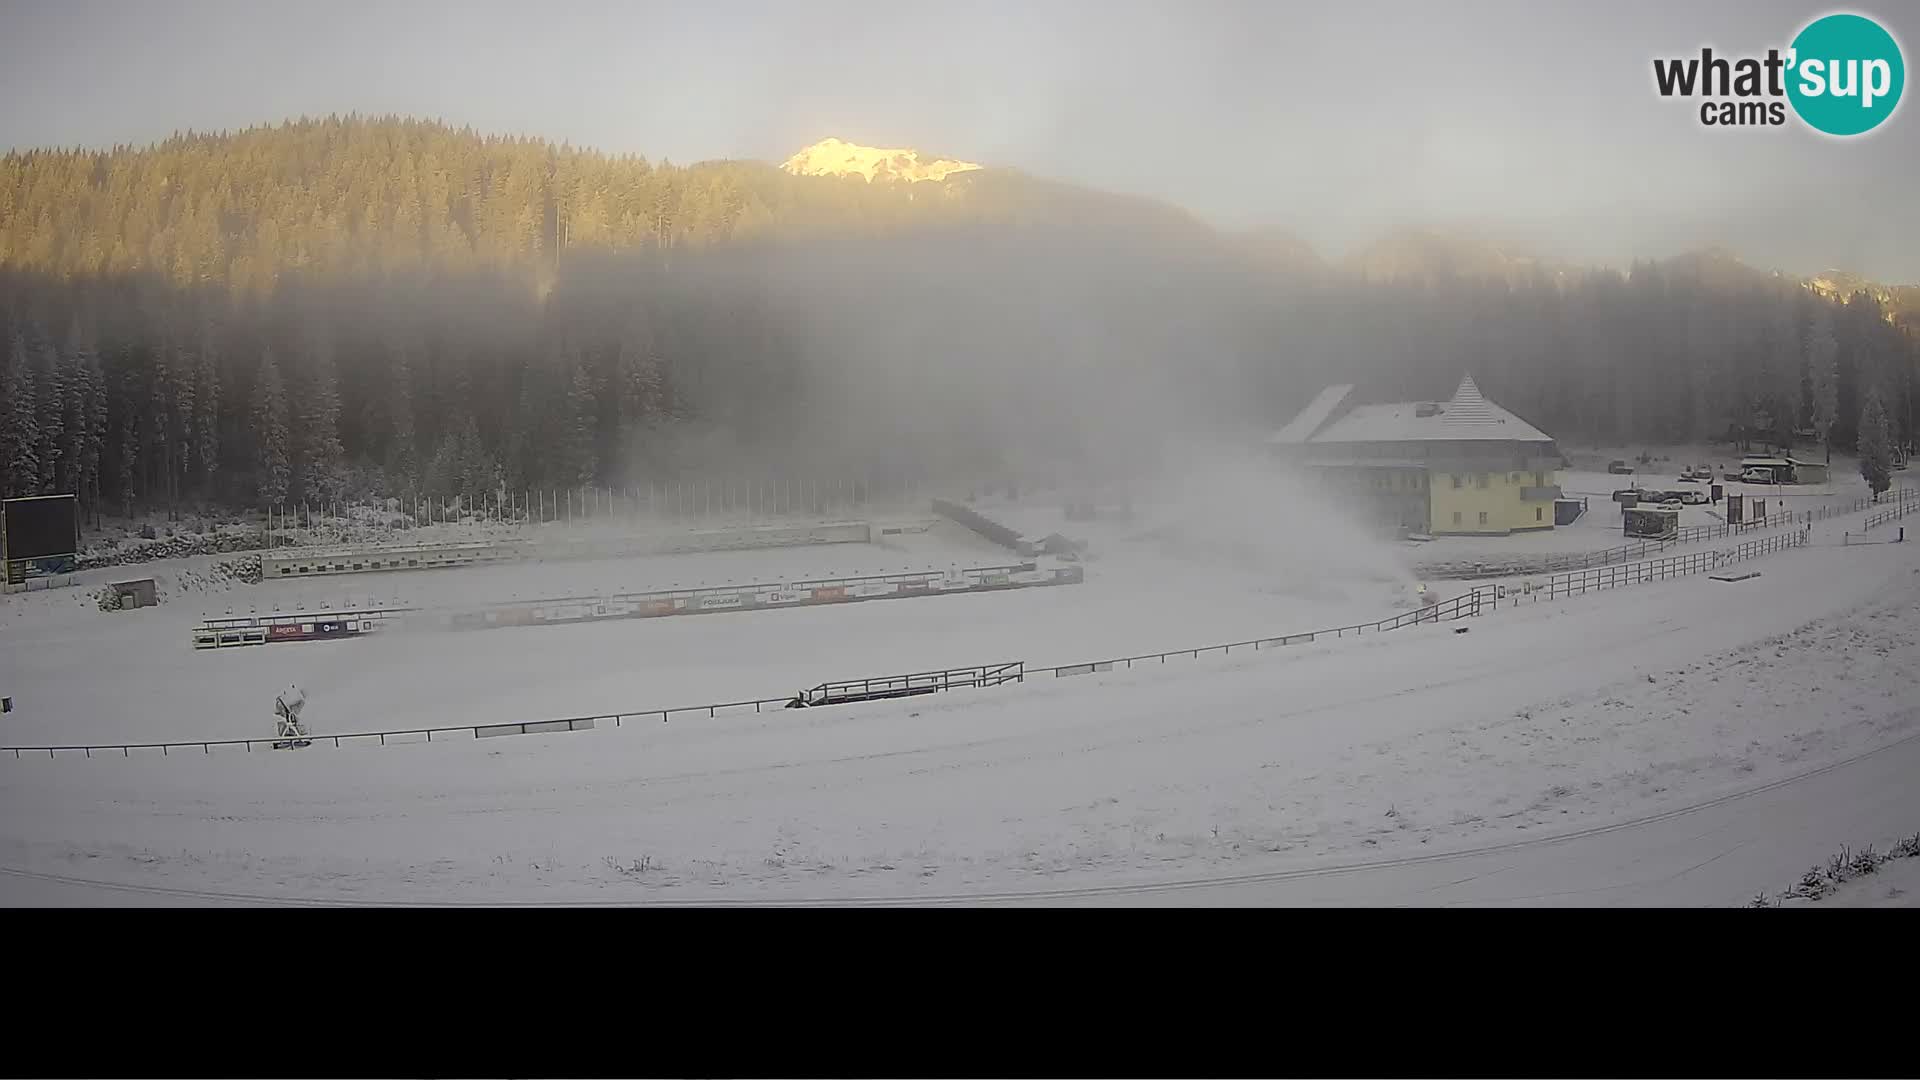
column 1542, row 719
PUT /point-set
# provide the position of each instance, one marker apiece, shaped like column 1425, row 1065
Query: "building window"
column 1456, row 479
column 1485, row 479
column 1536, row 513
column 1483, row 517
column 1513, row 478
column 1456, row 517
column 1539, row 479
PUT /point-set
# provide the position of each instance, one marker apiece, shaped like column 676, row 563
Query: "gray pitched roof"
column 1308, row 420
column 1467, row 416
column 1467, row 406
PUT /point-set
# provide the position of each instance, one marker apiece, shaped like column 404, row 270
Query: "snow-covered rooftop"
column 1467, row 416
column 1302, row 426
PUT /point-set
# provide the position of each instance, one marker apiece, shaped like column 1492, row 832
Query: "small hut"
column 1653, row 522
column 1809, row 472
column 134, row 594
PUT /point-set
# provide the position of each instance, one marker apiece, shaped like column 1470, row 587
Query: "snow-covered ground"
column 1543, row 719
column 1894, row 884
column 80, row 675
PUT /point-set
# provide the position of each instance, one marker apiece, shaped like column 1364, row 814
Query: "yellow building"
column 1464, row 465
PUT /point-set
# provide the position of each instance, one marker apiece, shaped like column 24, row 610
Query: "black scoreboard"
column 39, row 535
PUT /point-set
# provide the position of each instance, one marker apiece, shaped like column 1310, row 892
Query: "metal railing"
column 1463, row 606
column 271, row 619
column 842, row 691
column 1902, row 506
column 1608, row 577
column 1480, row 600
column 381, row 738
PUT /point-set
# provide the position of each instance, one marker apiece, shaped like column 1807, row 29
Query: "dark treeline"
column 353, row 307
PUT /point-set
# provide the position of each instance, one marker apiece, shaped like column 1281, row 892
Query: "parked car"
column 1619, row 468
column 1696, row 497
column 1757, row 476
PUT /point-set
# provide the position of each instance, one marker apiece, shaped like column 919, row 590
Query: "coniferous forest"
column 352, row 306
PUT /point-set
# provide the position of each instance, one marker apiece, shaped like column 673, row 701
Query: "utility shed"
column 1780, row 468
column 1650, row 521
column 137, row 593
column 1809, row 472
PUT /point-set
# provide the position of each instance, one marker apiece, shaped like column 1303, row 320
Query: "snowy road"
column 1551, row 719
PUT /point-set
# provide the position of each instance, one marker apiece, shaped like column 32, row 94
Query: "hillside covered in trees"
column 392, row 196
column 388, row 306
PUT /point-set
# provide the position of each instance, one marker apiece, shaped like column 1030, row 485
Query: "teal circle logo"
column 1846, row 74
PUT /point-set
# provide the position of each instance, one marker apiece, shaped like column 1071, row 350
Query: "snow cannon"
column 289, row 732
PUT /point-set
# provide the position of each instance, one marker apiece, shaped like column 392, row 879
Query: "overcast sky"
column 1535, row 123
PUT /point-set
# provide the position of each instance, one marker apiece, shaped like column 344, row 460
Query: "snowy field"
column 1544, row 719
column 80, row 675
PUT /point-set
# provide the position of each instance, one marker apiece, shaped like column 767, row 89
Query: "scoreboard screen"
column 41, row 527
